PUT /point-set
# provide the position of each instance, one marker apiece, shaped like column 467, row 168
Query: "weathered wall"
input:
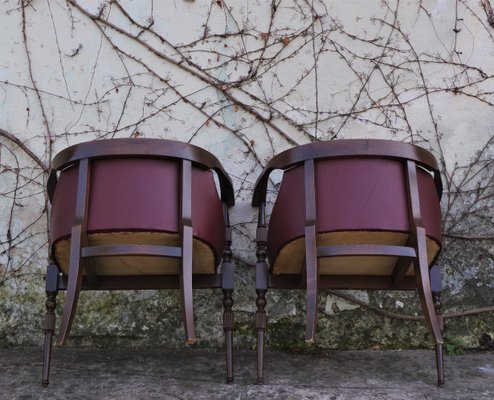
column 246, row 80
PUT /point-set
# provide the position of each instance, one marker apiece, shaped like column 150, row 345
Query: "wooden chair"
column 138, row 214
column 351, row 214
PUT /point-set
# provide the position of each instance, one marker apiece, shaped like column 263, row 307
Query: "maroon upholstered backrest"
column 139, row 194
column 353, row 194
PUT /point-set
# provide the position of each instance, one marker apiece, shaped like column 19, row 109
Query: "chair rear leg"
column 439, row 348
column 261, row 322
column 261, row 289
column 437, row 306
column 425, row 294
column 437, row 289
column 261, row 318
column 436, row 285
column 228, row 328
column 49, row 322
column 186, row 286
column 227, row 268
column 312, row 282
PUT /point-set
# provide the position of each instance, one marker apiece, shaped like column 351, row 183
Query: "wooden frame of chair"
column 426, row 282
column 81, row 252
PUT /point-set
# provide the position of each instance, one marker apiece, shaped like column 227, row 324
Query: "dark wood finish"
column 421, row 265
column 131, row 250
column 414, row 251
column 370, row 282
column 346, row 148
column 148, row 148
column 187, row 238
column 261, row 289
column 402, row 264
column 261, row 322
column 227, row 286
column 365, row 250
column 82, row 274
column 49, row 322
column 311, row 270
column 145, row 282
column 228, row 329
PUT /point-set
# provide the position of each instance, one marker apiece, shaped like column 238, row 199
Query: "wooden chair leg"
column 436, row 285
column 227, row 268
column 440, row 364
column 261, row 321
column 437, row 306
column 186, row 286
column 437, row 289
column 49, row 322
column 228, row 328
column 261, row 289
column 425, row 294
column 261, row 317
column 73, row 286
column 312, row 282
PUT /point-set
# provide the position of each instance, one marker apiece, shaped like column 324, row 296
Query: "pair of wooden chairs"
column 146, row 214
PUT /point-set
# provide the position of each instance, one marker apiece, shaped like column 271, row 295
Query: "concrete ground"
column 122, row 373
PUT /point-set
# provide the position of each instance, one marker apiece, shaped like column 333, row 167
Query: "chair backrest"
column 350, row 214
column 353, row 191
column 136, row 185
column 352, row 148
column 138, row 214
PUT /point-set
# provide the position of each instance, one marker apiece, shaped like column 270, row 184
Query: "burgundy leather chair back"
column 139, row 195
column 138, row 214
column 350, row 214
column 366, row 196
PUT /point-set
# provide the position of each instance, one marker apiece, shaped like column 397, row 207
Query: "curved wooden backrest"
column 350, row 214
column 138, row 214
column 354, row 201
column 356, row 185
column 152, row 148
column 347, row 148
column 137, row 185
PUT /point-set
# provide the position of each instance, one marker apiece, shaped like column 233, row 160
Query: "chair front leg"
column 261, row 322
column 228, row 322
column 261, row 289
column 49, row 322
column 227, row 269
